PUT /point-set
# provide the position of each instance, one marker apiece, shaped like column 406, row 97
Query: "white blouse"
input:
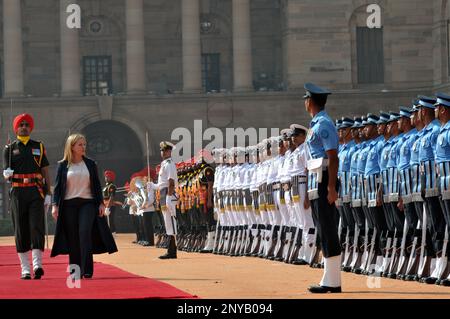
column 78, row 182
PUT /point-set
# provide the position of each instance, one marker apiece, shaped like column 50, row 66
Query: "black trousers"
column 445, row 204
column 379, row 222
column 429, row 249
column 349, row 216
column 208, row 218
column 78, row 218
column 27, row 208
column 184, row 221
column 411, row 222
column 344, row 224
column 398, row 216
column 112, row 222
column 437, row 222
column 141, row 228
column 360, row 220
column 148, row 228
column 324, row 217
column 135, row 221
column 389, row 217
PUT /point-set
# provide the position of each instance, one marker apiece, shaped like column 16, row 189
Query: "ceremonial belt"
column 28, row 180
column 298, row 179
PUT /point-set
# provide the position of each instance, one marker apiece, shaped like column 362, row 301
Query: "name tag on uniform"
column 16, row 152
column 36, row 152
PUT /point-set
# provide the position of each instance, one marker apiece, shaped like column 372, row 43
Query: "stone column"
column 70, row 53
column 192, row 66
column 13, row 51
column 136, row 79
column 242, row 47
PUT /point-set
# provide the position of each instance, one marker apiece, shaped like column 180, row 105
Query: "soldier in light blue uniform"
column 434, row 212
column 362, row 160
column 397, row 218
column 406, row 124
column 419, row 241
column 356, row 196
column 344, row 179
column 387, row 236
column 442, row 113
column 375, row 220
column 343, row 225
column 322, row 145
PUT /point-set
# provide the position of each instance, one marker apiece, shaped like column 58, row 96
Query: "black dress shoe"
column 429, row 280
column 445, row 282
column 168, row 256
column 26, row 277
column 38, row 273
column 87, row 276
column 347, row 268
column 324, row 289
column 300, row 262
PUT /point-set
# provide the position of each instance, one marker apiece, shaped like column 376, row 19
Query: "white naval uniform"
column 261, row 179
column 217, row 201
column 168, row 171
column 243, row 179
column 272, row 177
column 253, row 188
column 228, row 186
column 250, row 208
column 304, row 216
column 279, row 200
column 288, row 211
column 236, row 184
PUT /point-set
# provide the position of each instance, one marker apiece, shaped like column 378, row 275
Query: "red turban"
column 23, row 117
column 110, row 175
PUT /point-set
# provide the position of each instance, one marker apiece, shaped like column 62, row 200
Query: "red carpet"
column 108, row 282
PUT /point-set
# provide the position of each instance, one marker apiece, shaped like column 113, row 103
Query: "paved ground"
column 222, row 277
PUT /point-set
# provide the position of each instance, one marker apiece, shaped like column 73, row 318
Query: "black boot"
column 171, row 251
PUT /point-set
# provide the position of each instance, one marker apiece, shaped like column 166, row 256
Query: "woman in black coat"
column 81, row 228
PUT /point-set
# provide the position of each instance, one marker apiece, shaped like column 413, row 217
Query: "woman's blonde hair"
column 71, row 141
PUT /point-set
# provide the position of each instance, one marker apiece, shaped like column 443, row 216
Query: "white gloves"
column 107, row 211
column 47, row 202
column 7, row 173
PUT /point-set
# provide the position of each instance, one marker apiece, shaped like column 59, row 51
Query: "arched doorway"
column 115, row 147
